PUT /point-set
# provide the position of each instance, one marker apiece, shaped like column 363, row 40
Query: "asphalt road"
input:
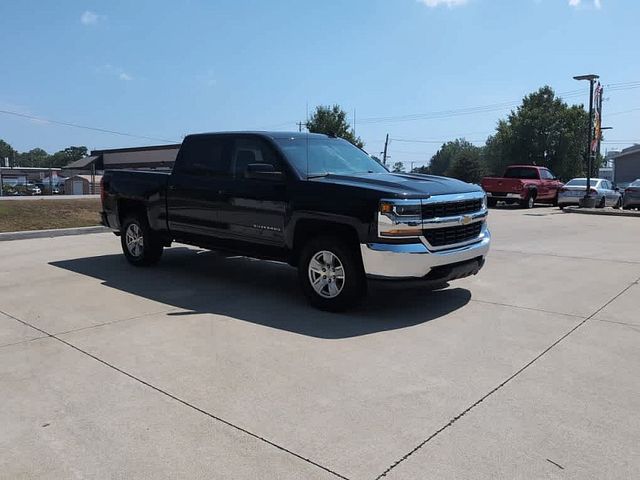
column 206, row 367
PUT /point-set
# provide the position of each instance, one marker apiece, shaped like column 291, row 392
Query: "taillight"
column 593, row 191
column 563, row 190
column 632, row 189
column 103, row 193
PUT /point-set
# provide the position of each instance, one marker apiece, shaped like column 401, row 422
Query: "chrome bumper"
column 415, row 260
column 508, row 196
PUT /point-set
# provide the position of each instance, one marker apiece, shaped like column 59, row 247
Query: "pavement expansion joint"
column 179, row 400
column 495, row 389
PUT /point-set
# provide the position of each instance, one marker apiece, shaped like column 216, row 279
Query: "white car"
column 601, row 189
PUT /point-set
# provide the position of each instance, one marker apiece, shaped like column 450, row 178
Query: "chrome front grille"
column 440, row 237
column 450, row 209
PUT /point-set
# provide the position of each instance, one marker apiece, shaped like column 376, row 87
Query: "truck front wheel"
column 141, row 245
column 331, row 274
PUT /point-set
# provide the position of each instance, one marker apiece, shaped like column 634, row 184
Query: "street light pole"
column 592, row 79
column 590, row 137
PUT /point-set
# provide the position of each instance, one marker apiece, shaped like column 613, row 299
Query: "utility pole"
column 354, row 122
column 384, row 154
column 299, row 126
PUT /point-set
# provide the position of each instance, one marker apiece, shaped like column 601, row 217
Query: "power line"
column 86, row 127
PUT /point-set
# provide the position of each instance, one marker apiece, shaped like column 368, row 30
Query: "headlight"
column 400, row 218
column 484, row 202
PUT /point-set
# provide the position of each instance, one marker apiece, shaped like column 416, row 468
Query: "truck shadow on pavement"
column 261, row 292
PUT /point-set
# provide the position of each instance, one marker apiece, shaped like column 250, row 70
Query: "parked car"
column 32, row 189
column 314, row 201
column 621, row 186
column 631, row 198
column 599, row 188
column 522, row 184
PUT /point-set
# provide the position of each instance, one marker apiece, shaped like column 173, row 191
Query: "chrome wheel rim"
column 531, row 202
column 326, row 274
column 134, row 240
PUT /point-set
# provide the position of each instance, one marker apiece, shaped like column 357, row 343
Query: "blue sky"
column 167, row 68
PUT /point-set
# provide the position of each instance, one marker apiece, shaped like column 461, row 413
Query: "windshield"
column 327, row 155
column 582, row 182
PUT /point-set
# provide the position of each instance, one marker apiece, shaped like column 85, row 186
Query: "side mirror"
column 617, row 189
column 262, row 171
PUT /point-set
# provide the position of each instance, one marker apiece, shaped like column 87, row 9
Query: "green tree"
column 6, row 151
column 422, row 169
column 467, row 165
column 332, row 121
column 398, row 167
column 35, row 157
column 543, row 131
column 441, row 161
column 66, row 156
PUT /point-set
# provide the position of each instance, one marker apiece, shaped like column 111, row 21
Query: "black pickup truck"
column 314, row 201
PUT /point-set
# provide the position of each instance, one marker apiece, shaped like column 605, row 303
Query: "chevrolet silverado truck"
column 314, row 201
column 523, row 184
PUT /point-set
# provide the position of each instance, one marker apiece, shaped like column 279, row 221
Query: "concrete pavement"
column 212, row 367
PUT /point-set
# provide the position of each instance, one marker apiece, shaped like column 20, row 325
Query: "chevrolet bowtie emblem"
column 465, row 220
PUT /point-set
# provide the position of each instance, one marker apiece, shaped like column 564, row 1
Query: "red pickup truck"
column 523, row 184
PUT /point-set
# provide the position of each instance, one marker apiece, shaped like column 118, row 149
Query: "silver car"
column 601, row 189
column 631, row 198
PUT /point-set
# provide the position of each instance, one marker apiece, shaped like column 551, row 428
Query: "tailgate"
column 504, row 185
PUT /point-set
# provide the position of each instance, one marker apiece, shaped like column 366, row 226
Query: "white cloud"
column 448, row 3
column 576, row 3
column 113, row 71
column 89, row 18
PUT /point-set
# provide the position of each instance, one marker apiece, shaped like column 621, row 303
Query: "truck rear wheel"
column 331, row 274
column 141, row 245
column 529, row 201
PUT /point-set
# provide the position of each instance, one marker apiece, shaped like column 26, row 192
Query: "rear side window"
column 524, row 173
column 247, row 150
column 205, row 156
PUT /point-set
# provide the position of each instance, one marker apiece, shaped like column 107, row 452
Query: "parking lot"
column 212, row 367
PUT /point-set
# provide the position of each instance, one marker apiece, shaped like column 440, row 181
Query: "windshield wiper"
column 318, row 175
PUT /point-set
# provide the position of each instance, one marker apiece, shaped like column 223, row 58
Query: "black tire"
column 354, row 283
column 492, row 202
column 603, row 202
column 528, row 201
column 151, row 246
column 618, row 204
column 561, row 207
column 555, row 200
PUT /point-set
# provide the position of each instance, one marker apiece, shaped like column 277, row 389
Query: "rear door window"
column 206, row 155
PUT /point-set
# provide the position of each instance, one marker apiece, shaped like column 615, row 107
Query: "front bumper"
column 385, row 261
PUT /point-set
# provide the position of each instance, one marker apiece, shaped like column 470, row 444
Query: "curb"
column 58, row 232
column 602, row 211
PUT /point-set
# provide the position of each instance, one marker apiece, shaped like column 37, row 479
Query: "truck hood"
column 407, row 185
